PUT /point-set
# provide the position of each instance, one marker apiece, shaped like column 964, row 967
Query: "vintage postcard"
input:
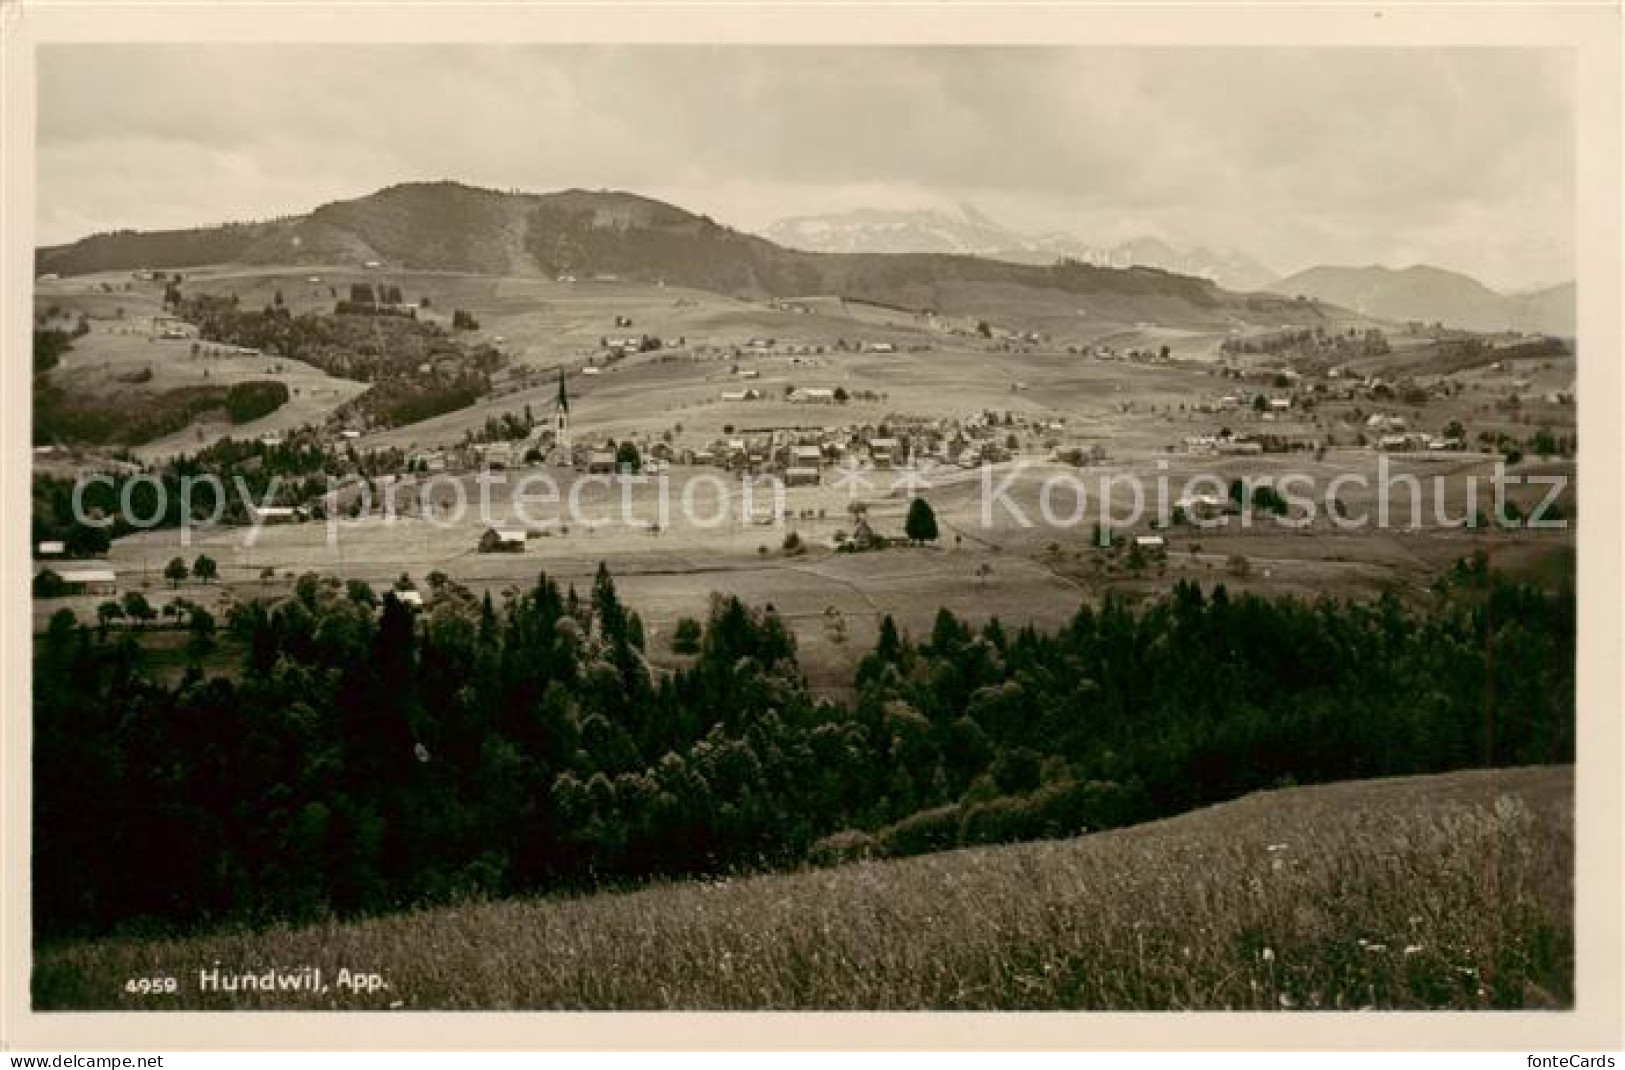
column 973, row 510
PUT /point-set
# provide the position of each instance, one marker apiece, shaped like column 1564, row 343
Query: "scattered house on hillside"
column 863, row 536
column 1150, row 542
column 741, row 395
column 173, row 327
column 272, row 514
column 410, row 598
column 1280, row 404
column 1239, row 447
column 601, row 462
column 350, row 434
column 1202, row 506
column 817, row 395
column 881, row 347
column 51, row 548
column 496, row 454
column 502, row 541
column 807, row 456
column 592, row 369
column 100, row 581
column 1409, row 441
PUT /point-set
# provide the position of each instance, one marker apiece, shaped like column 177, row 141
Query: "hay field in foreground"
column 1450, row 891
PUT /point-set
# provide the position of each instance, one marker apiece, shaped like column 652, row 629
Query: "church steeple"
column 561, row 420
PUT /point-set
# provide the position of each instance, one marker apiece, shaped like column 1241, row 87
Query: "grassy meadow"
column 1451, row 891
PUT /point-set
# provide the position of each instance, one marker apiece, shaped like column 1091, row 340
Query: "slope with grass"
column 1450, row 891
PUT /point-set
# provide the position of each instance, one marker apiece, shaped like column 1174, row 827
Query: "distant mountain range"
column 967, row 231
column 1432, row 295
column 447, row 226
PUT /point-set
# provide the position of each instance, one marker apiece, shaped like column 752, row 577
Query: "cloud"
column 1462, row 156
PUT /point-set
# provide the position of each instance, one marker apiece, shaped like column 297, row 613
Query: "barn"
column 502, row 541
column 101, row 581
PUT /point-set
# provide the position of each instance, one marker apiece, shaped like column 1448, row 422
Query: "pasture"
column 124, row 358
column 1439, row 892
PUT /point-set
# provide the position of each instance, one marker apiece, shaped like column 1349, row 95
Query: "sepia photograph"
column 712, row 525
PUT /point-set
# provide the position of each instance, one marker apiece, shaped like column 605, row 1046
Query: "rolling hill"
column 447, row 226
column 1431, row 294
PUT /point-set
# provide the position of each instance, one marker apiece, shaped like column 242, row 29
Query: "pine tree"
column 921, row 524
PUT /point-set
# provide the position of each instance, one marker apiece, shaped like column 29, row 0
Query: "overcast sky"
column 1460, row 158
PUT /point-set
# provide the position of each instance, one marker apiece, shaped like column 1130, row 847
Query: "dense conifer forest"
column 368, row 756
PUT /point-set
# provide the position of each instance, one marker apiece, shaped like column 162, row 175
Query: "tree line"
column 369, row 756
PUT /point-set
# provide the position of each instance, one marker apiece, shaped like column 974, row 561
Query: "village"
column 795, row 444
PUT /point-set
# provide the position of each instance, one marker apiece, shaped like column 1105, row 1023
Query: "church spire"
column 561, row 420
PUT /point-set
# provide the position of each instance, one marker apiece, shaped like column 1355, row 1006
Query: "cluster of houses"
column 1384, row 432
column 798, row 454
column 762, row 345
column 1223, row 443
column 1275, row 406
column 1394, row 433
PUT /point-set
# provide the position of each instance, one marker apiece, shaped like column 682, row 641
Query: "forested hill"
column 128, row 250
column 447, row 226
